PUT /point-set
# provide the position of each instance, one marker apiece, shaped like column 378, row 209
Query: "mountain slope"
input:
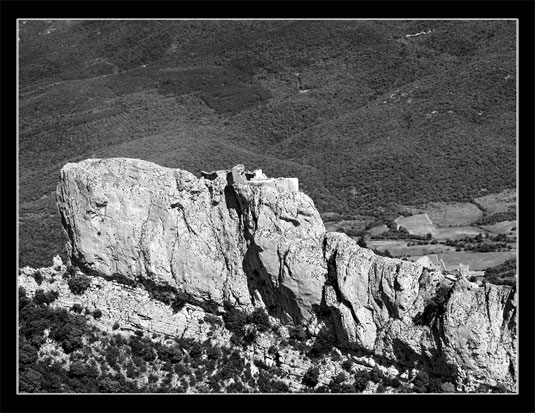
column 226, row 92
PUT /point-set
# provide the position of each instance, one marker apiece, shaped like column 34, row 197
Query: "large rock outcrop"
column 224, row 237
column 402, row 311
column 242, row 238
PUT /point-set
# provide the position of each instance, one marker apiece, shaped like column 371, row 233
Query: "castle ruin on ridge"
column 239, row 175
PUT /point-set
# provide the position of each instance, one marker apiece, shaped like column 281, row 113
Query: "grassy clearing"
column 478, row 261
column 504, row 201
column 505, row 227
column 452, row 214
column 417, row 224
column 455, row 233
column 378, row 230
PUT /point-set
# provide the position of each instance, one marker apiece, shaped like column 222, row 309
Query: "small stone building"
column 240, row 176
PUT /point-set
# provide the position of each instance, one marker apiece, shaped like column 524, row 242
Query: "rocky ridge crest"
column 241, row 239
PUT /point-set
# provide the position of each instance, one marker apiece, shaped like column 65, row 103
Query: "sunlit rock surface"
column 242, row 238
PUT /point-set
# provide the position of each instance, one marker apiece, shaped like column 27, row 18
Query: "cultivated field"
column 452, row 214
column 455, row 233
column 377, row 230
column 417, row 224
column 505, row 227
column 449, row 214
column 477, row 260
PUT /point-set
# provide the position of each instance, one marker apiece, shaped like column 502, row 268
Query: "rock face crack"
column 289, row 219
column 333, row 280
column 509, row 313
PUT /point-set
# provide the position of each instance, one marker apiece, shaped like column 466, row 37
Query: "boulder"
column 57, row 262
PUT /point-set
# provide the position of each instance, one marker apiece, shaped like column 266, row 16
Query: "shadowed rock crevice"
column 119, row 278
column 166, row 294
column 175, row 298
column 230, row 197
column 436, row 365
column 278, row 300
column 509, row 312
column 435, row 307
column 382, row 297
column 330, row 314
column 331, row 284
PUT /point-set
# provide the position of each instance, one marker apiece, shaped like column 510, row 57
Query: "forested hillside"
column 382, row 113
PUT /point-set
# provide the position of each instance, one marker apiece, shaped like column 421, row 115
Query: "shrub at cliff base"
column 79, row 283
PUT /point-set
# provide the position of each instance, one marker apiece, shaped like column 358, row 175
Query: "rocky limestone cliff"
column 402, row 311
column 211, row 240
column 244, row 239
